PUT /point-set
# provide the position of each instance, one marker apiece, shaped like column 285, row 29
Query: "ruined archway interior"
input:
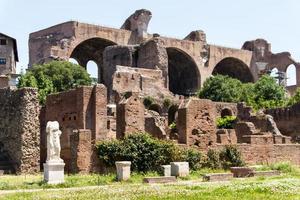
column 91, row 50
column 234, row 68
column 184, row 77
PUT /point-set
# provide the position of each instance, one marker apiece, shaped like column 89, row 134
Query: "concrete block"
column 180, row 169
column 54, row 172
column 166, row 170
column 123, row 170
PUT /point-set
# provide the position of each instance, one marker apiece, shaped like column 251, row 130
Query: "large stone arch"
column 184, row 76
column 91, row 50
column 234, row 68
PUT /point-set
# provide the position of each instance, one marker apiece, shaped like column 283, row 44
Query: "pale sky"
column 227, row 23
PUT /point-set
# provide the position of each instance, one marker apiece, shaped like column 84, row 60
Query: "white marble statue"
column 53, row 142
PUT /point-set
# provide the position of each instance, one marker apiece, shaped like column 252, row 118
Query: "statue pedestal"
column 54, row 172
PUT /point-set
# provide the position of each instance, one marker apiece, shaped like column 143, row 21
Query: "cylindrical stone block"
column 123, row 170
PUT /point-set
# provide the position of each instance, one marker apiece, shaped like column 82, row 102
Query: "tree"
column 221, row 88
column 265, row 93
column 55, row 76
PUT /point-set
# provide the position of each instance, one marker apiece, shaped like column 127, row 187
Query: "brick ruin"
column 255, row 135
column 134, row 65
column 19, row 130
column 184, row 63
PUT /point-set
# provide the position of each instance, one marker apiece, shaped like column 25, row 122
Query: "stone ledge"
column 241, row 172
column 267, row 173
column 218, row 177
column 162, row 179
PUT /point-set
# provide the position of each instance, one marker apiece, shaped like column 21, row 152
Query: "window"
column 3, row 42
column 2, row 61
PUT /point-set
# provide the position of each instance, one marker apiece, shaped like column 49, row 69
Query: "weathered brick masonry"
column 20, row 128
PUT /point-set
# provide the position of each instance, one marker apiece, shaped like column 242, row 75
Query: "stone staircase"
column 6, row 165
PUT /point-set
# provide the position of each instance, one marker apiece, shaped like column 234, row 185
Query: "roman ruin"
column 134, row 65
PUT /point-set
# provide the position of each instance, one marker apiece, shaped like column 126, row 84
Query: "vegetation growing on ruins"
column 55, row 76
column 227, row 157
column 265, row 93
column 226, row 122
column 145, row 152
column 148, row 154
column 148, row 101
column 295, row 99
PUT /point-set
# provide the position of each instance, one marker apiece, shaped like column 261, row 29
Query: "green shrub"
column 226, row 122
column 167, row 103
column 193, row 157
column 145, row 152
column 295, row 99
column 173, row 126
column 213, row 159
column 230, row 157
column 148, row 101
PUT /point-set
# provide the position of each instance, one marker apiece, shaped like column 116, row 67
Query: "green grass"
column 285, row 186
column 11, row 182
column 282, row 188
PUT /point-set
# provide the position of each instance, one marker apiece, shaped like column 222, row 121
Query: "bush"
column 193, row 157
column 231, row 157
column 226, row 122
column 173, row 126
column 228, row 157
column 167, row 103
column 145, row 152
column 213, row 159
column 148, row 101
column 295, row 99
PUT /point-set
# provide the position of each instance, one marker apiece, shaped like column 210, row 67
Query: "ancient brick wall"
column 20, row 128
column 130, row 115
column 81, row 108
column 254, row 154
column 223, row 109
column 196, row 122
column 287, row 120
column 81, row 151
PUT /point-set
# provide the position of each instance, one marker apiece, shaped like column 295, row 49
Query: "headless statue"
column 53, row 142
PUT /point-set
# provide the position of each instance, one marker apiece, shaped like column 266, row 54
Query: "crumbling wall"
column 153, row 55
column 287, row 120
column 223, row 109
column 81, row 151
column 80, row 108
column 20, row 128
column 155, row 124
column 196, row 122
column 130, row 115
column 148, row 82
